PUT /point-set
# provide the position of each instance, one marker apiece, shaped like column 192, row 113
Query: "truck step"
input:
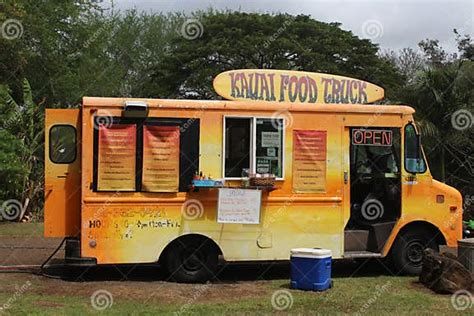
column 356, row 240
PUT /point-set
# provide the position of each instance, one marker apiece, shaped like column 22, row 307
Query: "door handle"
column 346, row 177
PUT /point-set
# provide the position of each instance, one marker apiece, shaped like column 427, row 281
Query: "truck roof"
column 104, row 102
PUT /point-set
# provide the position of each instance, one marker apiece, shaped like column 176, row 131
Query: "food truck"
column 285, row 160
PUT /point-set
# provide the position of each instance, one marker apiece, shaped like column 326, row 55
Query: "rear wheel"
column 191, row 259
column 407, row 252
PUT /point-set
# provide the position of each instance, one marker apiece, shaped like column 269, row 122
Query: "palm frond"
column 427, row 128
column 6, row 98
column 27, row 94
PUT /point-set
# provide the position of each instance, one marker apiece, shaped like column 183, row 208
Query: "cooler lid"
column 310, row 252
column 466, row 242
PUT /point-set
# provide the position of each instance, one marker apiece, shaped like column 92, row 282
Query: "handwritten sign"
column 116, row 157
column 294, row 87
column 309, row 161
column 239, row 206
column 371, row 137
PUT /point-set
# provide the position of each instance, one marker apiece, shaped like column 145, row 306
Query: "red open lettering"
column 372, row 137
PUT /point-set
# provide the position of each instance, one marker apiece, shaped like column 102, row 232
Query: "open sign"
column 372, row 137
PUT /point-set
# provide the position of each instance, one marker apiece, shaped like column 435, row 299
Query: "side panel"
column 62, row 178
column 133, row 227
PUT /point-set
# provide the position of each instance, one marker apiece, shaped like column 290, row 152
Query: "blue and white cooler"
column 311, row 269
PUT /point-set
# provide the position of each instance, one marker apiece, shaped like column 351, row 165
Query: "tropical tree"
column 70, row 49
column 442, row 94
column 212, row 42
column 21, row 142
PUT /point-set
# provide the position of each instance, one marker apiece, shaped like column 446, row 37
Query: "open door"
column 374, row 188
column 62, row 190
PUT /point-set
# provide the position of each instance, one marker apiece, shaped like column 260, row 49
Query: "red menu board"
column 116, row 157
column 160, row 159
column 309, row 161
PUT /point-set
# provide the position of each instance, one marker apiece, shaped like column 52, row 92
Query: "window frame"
column 50, row 144
column 253, row 143
column 422, row 154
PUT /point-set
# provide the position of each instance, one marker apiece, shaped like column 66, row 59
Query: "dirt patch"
column 417, row 285
column 27, row 250
column 158, row 291
column 140, row 291
column 214, row 292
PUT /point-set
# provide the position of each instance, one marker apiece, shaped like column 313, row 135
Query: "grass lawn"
column 12, row 229
column 356, row 295
column 29, row 294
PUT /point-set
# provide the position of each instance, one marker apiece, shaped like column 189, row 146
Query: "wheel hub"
column 415, row 252
column 192, row 260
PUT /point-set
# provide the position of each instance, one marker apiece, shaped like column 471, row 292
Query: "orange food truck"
column 287, row 160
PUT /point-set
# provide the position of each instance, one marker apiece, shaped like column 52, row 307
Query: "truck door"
column 62, row 200
column 375, row 193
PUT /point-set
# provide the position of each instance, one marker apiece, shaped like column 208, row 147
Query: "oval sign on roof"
column 294, row 87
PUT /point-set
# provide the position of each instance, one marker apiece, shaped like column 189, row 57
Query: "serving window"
column 145, row 155
column 253, row 145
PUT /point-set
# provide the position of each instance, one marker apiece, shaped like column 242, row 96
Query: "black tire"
column 191, row 259
column 407, row 251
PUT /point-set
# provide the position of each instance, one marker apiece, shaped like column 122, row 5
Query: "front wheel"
column 191, row 259
column 407, row 252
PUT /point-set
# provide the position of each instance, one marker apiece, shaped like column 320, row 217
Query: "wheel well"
column 424, row 226
column 183, row 238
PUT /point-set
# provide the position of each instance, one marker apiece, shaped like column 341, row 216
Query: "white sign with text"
column 239, row 206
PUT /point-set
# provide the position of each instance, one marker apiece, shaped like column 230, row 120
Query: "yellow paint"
column 294, row 86
column 135, row 227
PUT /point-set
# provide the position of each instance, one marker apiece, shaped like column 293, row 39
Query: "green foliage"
column 51, row 32
column 232, row 40
column 75, row 48
column 21, row 147
column 439, row 91
column 11, row 170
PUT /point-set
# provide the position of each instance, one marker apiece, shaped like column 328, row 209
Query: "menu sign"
column 160, row 159
column 309, row 161
column 116, row 157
